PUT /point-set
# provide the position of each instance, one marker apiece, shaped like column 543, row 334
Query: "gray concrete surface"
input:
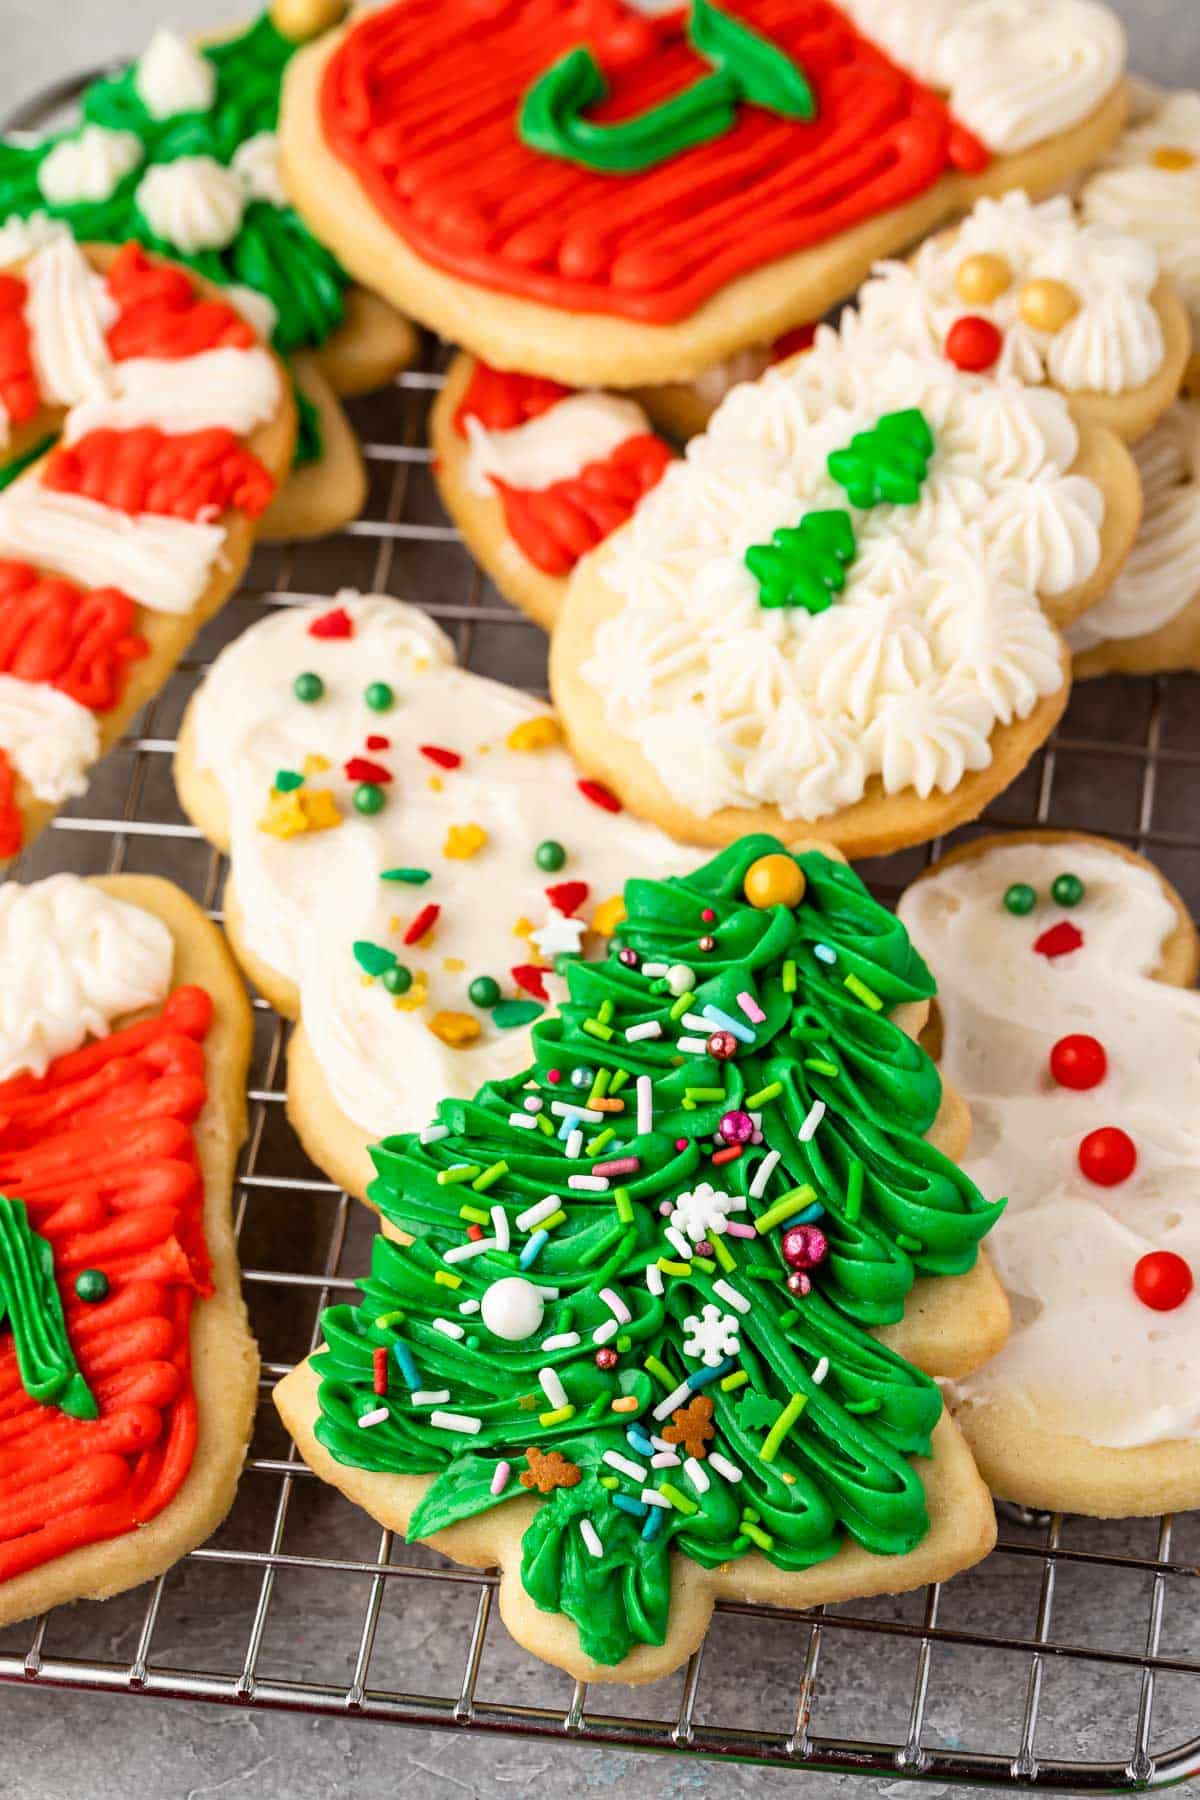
column 58, row 1745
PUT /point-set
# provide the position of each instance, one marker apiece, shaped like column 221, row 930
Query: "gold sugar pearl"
column 981, row 279
column 774, row 881
column 1174, row 158
column 1048, row 305
column 302, row 19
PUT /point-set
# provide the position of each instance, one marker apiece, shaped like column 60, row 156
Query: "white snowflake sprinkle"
column 558, row 936
column 704, row 1212
column 712, row 1337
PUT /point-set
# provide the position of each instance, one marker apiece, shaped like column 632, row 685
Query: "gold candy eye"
column 1048, row 305
column 983, row 278
column 1171, row 157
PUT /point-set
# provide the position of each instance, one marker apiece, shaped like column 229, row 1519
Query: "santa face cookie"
column 646, row 1379
column 535, row 474
column 127, row 1367
column 1035, row 293
column 690, row 181
column 840, row 612
column 411, row 852
column 1067, row 1018
column 178, row 151
column 144, row 430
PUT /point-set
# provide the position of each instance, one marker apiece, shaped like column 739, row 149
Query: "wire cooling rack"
column 1070, row 1659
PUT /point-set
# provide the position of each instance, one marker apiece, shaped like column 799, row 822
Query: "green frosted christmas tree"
column 642, row 1273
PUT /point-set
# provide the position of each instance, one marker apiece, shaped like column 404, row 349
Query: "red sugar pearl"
column 1107, row 1156
column 606, row 1358
column 1162, row 1280
column 1078, row 1061
column 973, row 344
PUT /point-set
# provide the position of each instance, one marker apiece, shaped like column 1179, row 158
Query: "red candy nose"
column 974, row 344
column 1059, row 940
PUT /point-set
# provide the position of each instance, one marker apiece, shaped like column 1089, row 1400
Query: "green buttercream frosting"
column 843, row 1097
column 31, row 1307
column 273, row 250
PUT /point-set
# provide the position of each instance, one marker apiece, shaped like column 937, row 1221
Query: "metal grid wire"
column 1069, row 1659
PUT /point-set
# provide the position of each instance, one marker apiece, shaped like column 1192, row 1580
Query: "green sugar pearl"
column 484, row 991
column 308, row 687
column 397, row 980
column 550, row 856
column 1067, row 890
column 1020, row 899
column 91, row 1284
column 379, row 697
column 369, row 798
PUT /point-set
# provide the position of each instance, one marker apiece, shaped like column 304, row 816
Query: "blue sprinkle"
column 737, row 1027
column 638, row 1439
column 654, row 1523
column 815, row 1211
column 406, row 1365
column 533, row 1248
column 824, row 954
column 628, row 1504
column 570, row 1121
column 700, row 1378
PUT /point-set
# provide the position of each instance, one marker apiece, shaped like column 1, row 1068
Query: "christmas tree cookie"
column 617, row 1336
column 840, row 614
column 178, row 151
column 652, row 189
column 1066, row 1014
column 128, row 1373
column 144, row 430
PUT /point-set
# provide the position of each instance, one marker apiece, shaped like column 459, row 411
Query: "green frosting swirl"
column 838, row 1465
column 273, row 252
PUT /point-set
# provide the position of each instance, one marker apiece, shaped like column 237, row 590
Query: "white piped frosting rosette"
column 470, row 778
column 1082, row 1073
column 939, row 635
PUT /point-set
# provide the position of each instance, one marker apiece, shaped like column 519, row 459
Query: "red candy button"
column 1078, row 1061
column 334, row 624
column 973, row 344
column 1059, row 940
column 1107, row 1156
column 1162, row 1280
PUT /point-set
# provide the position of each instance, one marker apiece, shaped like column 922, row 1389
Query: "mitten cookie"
column 127, row 1368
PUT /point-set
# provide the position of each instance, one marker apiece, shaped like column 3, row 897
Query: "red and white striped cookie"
column 143, row 430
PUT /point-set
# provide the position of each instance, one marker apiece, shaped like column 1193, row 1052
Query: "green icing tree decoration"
column 804, row 565
column 890, row 462
column 729, row 1073
column 30, row 1302
column 273, row 252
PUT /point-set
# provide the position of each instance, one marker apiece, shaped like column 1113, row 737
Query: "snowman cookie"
column 1066, row 1014
column 178, row 151
column 650, row 190
column 144, row 431
column 841, row 612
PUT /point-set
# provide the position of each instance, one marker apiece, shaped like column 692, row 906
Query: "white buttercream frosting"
column 583, row 428
column 306, row 899
column 1113, row 343
column 236, row 389
column 21, row 237
column 1015, row 72
column 938, row 635
column 89, row 166
column 68, row 309
column 74, row 960
column 193, row 204
column 49, row 739
column 256, row 165
column 173, row 77
column 1086, row 1357
column 164, row 563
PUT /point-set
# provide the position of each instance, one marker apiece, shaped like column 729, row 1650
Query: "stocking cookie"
column 127, row 1366
column 623, row 1351
column 688, row 181
column 144, row 432
column 535, row 474
column 840, row 613
column 1065, row 1013
column 178, row 151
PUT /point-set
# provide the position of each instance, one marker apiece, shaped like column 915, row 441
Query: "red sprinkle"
column 1162, row 1280
column 708, row 915
column 568, row 896
column 445, row 759
column 599, row 795
column 375, row 742
column 334, row 624
column 474, row 1232
column 554, row 1076
column 1078, row 1061
column 973, row 344
column 361, row 768
column 1059, row 940
column 729, row 1154
column 425, row 921
column 379, row 1362
column 528, row 977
